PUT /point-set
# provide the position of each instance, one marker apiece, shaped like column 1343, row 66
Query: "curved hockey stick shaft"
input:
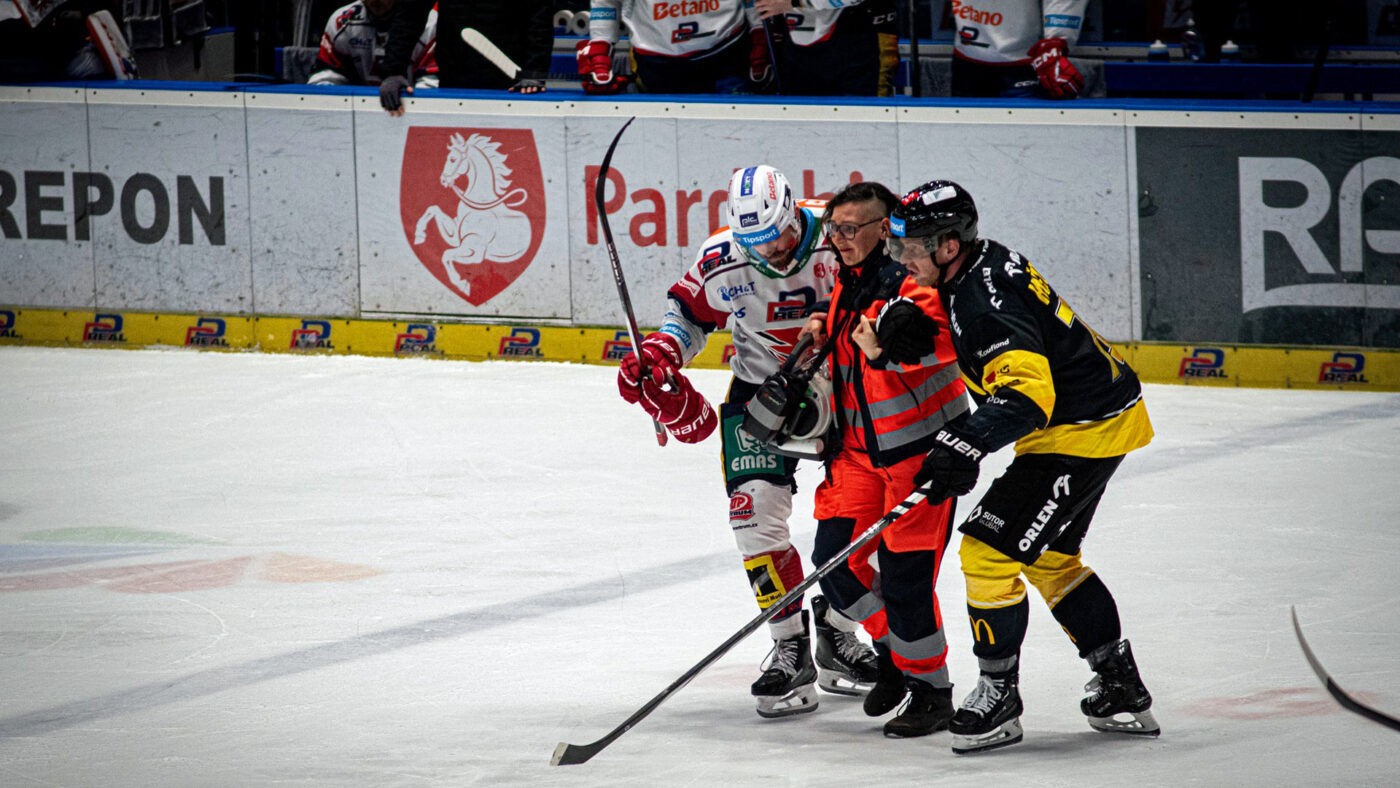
column 599, row 190
column 567, row 754
column 1340, row 695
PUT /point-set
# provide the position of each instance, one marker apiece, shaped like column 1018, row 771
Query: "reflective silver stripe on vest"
column 924, row 392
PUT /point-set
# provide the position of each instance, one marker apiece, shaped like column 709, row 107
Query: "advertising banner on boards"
column 1270, row 236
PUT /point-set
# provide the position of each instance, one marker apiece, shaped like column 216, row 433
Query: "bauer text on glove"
column 951, row 468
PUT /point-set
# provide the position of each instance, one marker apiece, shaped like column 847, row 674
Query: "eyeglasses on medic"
column 847, row 231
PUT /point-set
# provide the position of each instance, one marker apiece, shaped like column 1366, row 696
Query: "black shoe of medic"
column 889, row 687
column 1117, row 701
column 990, row 717
column 845, row 665
column 788, row 683
column 928, row 711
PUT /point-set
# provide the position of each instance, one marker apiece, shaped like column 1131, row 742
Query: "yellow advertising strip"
column 1361, row 369
column 428, row 339
column 1257, row 366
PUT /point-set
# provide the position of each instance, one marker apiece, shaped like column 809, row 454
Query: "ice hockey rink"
column 222, row 569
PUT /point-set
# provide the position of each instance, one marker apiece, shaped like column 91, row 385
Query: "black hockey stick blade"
column 568, row 754
column 1340, row 695
column 599, row 191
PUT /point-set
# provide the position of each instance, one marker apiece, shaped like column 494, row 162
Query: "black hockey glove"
column 527, row 83
column 389, row 91
column 905, row 331
column 951, row 468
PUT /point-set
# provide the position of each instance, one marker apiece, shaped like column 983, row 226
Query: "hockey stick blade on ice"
column 487, row 49
column 1340, row 695
column 567, row 754
column 599, row 191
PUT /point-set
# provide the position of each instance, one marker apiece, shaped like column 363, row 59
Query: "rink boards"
column 1360, row 369
column 1249, row 244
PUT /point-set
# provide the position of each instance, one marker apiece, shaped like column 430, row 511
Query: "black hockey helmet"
column 932, row 211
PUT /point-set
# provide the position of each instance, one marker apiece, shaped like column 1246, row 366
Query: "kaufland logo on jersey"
column 1204, row 362
column 617, row 348
column 472, row 205
column 104, row 328
column 313, row 335
column 520, row 342
column 206, row 332
column 417, row 339
column 7, row 325
column 1343, row 368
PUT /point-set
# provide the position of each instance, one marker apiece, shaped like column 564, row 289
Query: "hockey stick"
column 633, row 334
column 567, row 754
column 1348, row 702
column 487, row 49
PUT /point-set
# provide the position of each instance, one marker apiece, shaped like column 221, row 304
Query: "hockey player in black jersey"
column 1044, row 380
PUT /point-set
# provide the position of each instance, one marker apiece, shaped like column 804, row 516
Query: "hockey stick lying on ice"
column 632, row 333
column 1348, row 702
column 566, row 754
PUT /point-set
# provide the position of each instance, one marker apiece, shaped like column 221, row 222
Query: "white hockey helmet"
column 761, row 207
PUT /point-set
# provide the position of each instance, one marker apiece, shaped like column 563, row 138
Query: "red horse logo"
column 494, row 217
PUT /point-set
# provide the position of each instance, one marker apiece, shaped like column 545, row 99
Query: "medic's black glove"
column 389, row 91
column 951, row 468
column 905, row 331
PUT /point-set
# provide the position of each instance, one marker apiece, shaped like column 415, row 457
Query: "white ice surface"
column 492, row 558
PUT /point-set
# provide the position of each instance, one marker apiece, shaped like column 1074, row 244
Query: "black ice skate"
column 845, row 665
column 1118, row 702
column 990, row 717
column 787, row 685
column 929, row 709
column 889, row 688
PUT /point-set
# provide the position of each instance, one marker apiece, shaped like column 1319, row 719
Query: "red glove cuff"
column 686, row 413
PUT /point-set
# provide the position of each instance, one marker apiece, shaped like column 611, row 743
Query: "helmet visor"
column 908, row 250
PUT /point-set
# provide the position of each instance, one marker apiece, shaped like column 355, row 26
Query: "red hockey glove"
column 662, row 355
column 951, row 468
column 760, row 63
column 1058, row 77
column 682, row 409
column 595, row 67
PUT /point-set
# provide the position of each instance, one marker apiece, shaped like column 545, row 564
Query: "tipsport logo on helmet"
column 472, row 206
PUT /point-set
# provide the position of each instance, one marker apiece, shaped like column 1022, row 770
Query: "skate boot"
column 929, row 709
column 990, row 717
column 889, row 687
column 845, row 665
column 787, row 685
column 1118, row 690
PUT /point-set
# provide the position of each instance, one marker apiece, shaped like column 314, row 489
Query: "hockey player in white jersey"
column 352, row 46
column 678, row 46
column 758, row 277
column 1016, row 48
column 833, row 47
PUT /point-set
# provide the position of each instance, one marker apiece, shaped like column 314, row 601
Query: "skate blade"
column 1005, row 735
column 800, row 701
column 839, row 683
column 1141, row 724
